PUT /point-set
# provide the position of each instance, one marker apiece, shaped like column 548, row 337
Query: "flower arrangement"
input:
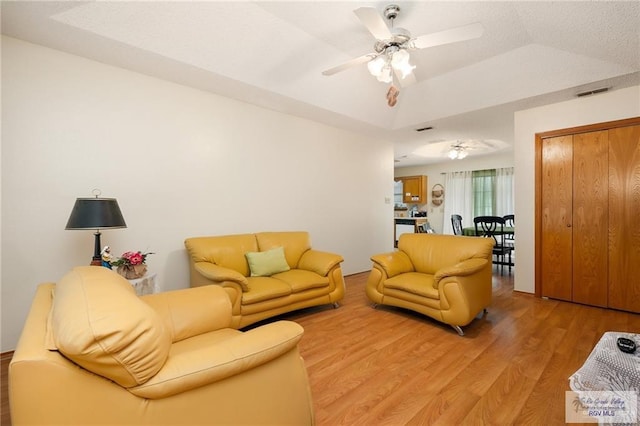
column 131, row 264
column 131, row 258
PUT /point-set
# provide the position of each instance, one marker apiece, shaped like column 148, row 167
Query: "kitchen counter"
column 406, row 225
column 410, row 218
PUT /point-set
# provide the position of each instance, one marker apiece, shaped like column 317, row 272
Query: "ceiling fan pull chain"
column 392, row 95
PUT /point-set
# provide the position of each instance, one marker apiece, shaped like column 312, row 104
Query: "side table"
column 148, row 284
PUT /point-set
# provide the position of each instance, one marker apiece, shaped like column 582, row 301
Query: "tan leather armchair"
column 92, row 352
column 445, row 277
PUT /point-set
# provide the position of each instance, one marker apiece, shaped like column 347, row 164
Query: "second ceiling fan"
column 391, row 50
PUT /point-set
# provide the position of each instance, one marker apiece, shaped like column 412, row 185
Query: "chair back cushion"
column 431, row 252
column 99, row 323
column 294, row 243
column 227, row 251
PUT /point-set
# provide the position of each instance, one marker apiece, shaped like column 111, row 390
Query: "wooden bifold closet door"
column 589, row 217
column 557, row 217
column 624, row 218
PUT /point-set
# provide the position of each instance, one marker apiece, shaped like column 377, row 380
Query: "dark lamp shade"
column 96, row 213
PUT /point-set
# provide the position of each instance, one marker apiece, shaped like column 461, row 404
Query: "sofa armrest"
column 192, row 311
column 320, row 262
column 393, row 263
column 219, row 274
column 210, row 362
column 464, row 268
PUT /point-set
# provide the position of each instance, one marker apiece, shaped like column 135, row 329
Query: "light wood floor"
column 388, row 366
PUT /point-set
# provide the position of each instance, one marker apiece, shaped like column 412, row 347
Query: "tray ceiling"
column 272, row 54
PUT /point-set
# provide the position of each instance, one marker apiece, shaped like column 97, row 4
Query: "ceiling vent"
column 422, row 129
column 592, row 92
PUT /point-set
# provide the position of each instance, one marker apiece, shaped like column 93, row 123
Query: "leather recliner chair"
column 445, row 277
column 92, row 352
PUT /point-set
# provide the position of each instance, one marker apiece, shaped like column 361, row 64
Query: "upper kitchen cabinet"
column 414, row 189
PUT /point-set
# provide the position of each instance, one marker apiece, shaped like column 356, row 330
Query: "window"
column 484, row 192
column 478, row 193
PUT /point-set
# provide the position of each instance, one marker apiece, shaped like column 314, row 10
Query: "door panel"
column 557, row 188
column 590, row 218
column 624, row 218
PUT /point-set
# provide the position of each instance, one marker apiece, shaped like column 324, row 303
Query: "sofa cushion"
column 99, row 323
column 415, row 283
column 301, row 280
column 265, row 288
column 267, row 263
column 431, row 252
column 227, row 251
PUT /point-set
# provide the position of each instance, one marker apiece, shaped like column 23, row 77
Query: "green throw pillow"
column 267, row 263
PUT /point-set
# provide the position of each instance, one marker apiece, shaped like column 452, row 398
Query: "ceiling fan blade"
column 357, row 61
column 407, row 81
column 453, row 35
column 374, row 22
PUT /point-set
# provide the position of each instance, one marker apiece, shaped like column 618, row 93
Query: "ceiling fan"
column 460, row 149
column 391, row 50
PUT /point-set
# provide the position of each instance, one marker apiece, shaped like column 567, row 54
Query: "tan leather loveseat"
column 445, row 277
column 310, row 277
column 92, row 352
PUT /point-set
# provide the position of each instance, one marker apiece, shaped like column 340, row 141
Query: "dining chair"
column 456, row 223
column 509, row 235
column 493, row 227
column 509, row 226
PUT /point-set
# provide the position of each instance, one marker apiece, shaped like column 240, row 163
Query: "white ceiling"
column 273, row 53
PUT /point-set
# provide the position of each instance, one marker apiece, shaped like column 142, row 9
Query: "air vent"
column 592, row 92
column 422, row 129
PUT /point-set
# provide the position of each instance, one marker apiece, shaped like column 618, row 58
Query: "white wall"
column 435, row 175
column 614, row 105
column 180, row 161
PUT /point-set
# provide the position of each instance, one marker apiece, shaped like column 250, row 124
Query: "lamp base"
column 96, row 260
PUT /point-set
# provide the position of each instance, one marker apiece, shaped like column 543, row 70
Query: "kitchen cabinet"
column 414, row 189
column 588, row 214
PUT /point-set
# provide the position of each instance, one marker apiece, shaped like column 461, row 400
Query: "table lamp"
column 96, row 213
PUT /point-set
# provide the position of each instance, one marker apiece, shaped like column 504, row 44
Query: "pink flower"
column 127, row 254
column 136, row 258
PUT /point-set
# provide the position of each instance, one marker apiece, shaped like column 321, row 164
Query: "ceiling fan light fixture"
column 376, row 65
column 398, row 59
column 407, row 69
column 457, row 152
column 400, row 62
column 385, row 75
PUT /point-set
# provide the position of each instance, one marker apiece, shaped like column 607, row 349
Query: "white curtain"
column 504, row 191
column 458, row 199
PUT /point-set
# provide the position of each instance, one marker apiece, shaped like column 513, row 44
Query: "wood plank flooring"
column 5, row 359
column 388, row 366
